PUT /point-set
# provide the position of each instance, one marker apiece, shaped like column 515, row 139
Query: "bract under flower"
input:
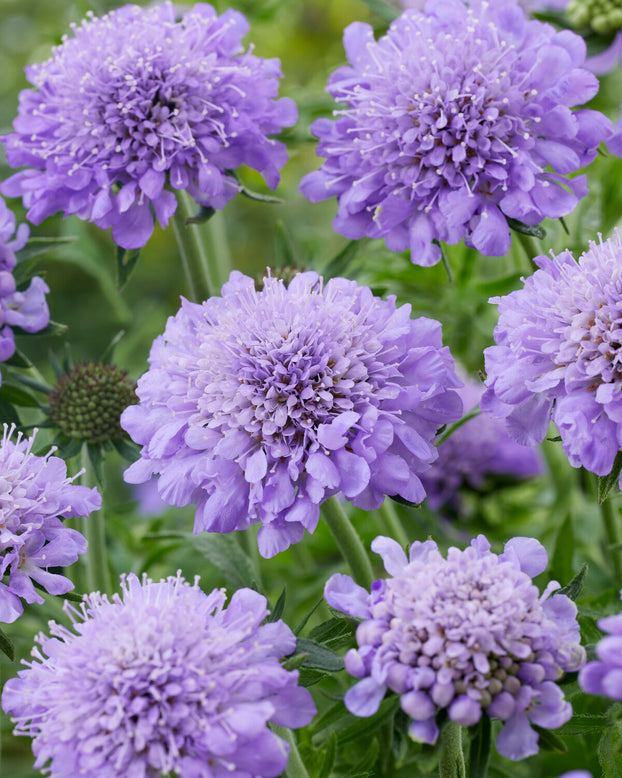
column 258, row 406
column 139, row 102
column 164, row 680
column 456, row 119
column 469, row 634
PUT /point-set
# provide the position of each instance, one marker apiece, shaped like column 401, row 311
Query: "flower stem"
column 392, row 522
column 349, row 543
column 94, row 530
column 611, row 521
column 451, row 763
column 295, row 766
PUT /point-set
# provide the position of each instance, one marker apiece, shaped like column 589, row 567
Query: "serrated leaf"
column 549, row 741
column 309, row 676
column 6, row 646
column 276, row 612
column 479, row 752
column 561, row 563
column 333, row 633
column 38, row 246
column 327, row 757
column 607, row 482
column 573, row 588
column 126, row 263
column 204, row 214
column 535, row 230
column 224, row 552
column 318, row 656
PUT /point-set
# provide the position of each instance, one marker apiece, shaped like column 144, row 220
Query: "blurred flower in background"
column 35, row 495
column 139, row 102
column 451, row 123
column 258, row 406
column 162, row 680
column 475, row 457
column 469, row 634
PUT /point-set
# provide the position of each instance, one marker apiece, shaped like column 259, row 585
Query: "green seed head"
column 602, row 16
column 87, row 402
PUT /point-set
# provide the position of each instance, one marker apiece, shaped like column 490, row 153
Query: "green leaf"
column 535, row 230
column 8, row 414
column 32, row 383
column 6, row 646
column 607, row 482
column 585, row 723
column 260, row 198
column 303, row 622
column 127, row 448
column 204, row 214
column 68, row 447
column 318, row 656
column 53, row 328
column 309, row 676
column 126, row 262
column 333, row 633
column 276, row 612
column 108, row 354
column 19, row 359
column 382, row 9
column 369, row 758
column 224, row 552
column 327, row 757
column 16, row 396
column 339, row 263
column 96, row 457
column 561, row 563
column 283, row 247
column 549, row 741
column 573, row 588
column 609, row 751
column 499, row 286
column 479, row 753
column 360, row 727
column 38, row 246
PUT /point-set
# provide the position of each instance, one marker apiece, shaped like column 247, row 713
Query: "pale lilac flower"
column 604, row 676
column 139, row 102
column 467, row 634
column 258, row 406
column 456, row 119
column 35, row 495
column 558, row 356
column 27, row 309
column 163, row 680
column 474, row 455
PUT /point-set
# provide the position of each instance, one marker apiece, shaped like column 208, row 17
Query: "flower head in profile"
column 469, row 634
column 604, row 676
column 140, row 102
column 456, row 119
column 35, row 495
column 258, row 406
column 26, row 309
column 474, row 456
column 163, row 680
column 558, row 356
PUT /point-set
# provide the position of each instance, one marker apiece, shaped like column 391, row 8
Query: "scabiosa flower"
column 474, row 455
column 604, row 676
column 27, row 309
column 558, row 356
column 469, row 634
column 451, row 123
column 140, row 101
column 260, row 405
column 35, row 494
column 162, row 680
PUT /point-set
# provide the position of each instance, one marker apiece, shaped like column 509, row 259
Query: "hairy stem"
column 94, row 530
column 451, row 763
column 348, row 541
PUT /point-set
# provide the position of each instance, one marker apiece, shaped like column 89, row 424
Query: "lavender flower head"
column 451, row 123
column 258, row 406
column 604, row 676
column 469, row 634
column 163, row 680
column 476, row 452
column 140, row 101
column 558, row 356
column 35, row 494
column 27, row 309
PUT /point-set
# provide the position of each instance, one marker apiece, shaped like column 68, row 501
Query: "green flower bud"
column 602, row 16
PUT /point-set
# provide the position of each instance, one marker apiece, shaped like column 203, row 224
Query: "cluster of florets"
column 258, row 406
column 141, row 101
column 455, row 120
column 474, row 456
column 35, row 495
column 164, row 680
column 469, row 634
column 27, row 309
column 558, row 356
column 88, row 401
column 602, row 16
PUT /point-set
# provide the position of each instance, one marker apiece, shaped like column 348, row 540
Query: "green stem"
column 94, row 530
column 295, row 765
column 529, row 247
column 451, row 762
column 392, row 522
column 349, row 543
column 611, row 520
column 179, row 230
column 453, row 427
